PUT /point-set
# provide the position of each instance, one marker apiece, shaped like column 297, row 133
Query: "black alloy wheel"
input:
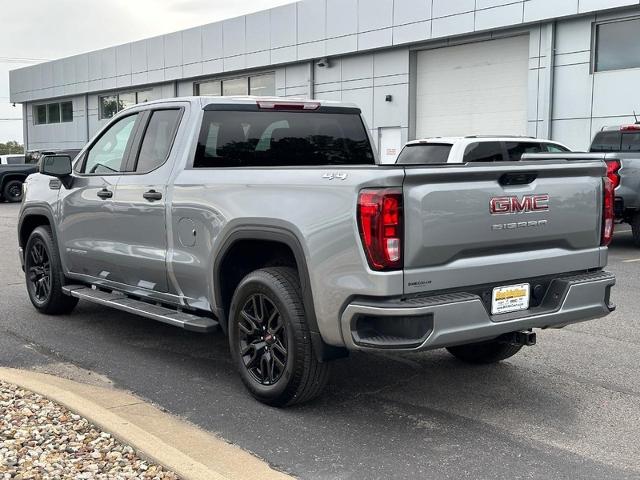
column 44, row 277
column 12, row 191
column 38, row 270
column 270, row 341
column 262, row 339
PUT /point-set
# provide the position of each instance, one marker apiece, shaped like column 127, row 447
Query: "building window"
column 144, row 96
column 112, row 104
column 53, row 113
column 235, row 86
column 40, row 114
column 126, row 100
column 261, row 85
column 66, row 111
column 617, row 45
column 212, row 88
column 108, row 106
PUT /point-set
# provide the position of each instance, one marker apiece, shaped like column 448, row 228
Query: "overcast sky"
column 50, row 29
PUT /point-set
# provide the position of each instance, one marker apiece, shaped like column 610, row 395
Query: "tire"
column 258, row 337
column 485, row 352
column 12, row 191
column 635, row 229
column 43, row 274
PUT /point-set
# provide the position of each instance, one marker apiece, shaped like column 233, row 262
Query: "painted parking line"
column 631, row 260
column 623, row 231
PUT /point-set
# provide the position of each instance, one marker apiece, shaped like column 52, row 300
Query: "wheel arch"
column 32, row 218
column 12, row 176
column 279, row 238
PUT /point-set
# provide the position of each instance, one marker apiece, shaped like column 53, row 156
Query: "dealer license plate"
column 510, row 299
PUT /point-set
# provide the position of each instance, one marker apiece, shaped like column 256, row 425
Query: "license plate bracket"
column 510, row 298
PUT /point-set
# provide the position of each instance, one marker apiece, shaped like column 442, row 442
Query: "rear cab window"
column 424, row 154
column 610, row 141
column 631, row 142
column 268, row 138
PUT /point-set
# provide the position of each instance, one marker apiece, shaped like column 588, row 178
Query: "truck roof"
column 622, row 128
column 484, row 138
column 203, row 101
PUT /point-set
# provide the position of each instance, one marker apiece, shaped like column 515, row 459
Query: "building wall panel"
column 367, row 43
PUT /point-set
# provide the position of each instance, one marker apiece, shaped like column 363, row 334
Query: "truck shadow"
column 430, row 381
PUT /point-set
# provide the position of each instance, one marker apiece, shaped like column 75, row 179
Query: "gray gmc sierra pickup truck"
column 621, row 146
column 272, row 219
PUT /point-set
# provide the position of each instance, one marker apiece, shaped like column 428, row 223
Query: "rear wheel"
column 43, row 273
column 270, row 340
column 485, row 352
column 635, row 229
column 12, row 191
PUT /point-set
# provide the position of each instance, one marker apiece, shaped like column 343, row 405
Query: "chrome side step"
column 120, row 301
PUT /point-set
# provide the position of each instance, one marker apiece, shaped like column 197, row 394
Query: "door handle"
column 152, row 195
column 104, row 194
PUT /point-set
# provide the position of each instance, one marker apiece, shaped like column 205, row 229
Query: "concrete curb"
column 192, row 453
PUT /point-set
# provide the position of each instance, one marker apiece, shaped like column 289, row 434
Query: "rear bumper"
column 426, row 323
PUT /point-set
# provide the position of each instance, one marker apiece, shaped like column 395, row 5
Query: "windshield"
column 424, row 154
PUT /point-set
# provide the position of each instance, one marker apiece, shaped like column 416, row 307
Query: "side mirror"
column 58, row 166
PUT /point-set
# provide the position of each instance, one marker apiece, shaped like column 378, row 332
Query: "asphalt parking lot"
column 566, row 408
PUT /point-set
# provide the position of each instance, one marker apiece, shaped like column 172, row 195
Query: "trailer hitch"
column 525, row 339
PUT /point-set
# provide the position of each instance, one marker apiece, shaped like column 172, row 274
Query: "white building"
column 559, row 69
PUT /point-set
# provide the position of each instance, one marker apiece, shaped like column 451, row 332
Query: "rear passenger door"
column 140, row 201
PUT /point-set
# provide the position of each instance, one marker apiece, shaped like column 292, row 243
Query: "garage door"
column 473, row 89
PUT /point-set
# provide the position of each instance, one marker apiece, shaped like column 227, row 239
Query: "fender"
column 323, row 351
column 43, row 210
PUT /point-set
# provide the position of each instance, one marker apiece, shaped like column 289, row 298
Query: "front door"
column 86, row 208
column 140, row 203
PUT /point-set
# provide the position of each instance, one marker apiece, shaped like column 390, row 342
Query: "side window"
column 554, row 148
column 607, row 142
column 107, row 154
column 631, row 142
column 483, row 152
column 515, row 150
column 158, row 139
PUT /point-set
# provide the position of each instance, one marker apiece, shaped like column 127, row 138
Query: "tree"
column 11, row 147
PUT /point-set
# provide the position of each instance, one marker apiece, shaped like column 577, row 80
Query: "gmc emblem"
column 511, row 205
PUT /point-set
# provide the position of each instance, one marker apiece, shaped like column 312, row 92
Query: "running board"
column 120, row 301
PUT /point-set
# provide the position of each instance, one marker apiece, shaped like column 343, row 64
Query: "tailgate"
column 479, row 224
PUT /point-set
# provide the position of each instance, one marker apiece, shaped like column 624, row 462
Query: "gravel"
column 40, row 440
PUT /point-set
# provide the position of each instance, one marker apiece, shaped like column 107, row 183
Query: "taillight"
column 380, row 220
column 613, row 168
column 608, row 212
